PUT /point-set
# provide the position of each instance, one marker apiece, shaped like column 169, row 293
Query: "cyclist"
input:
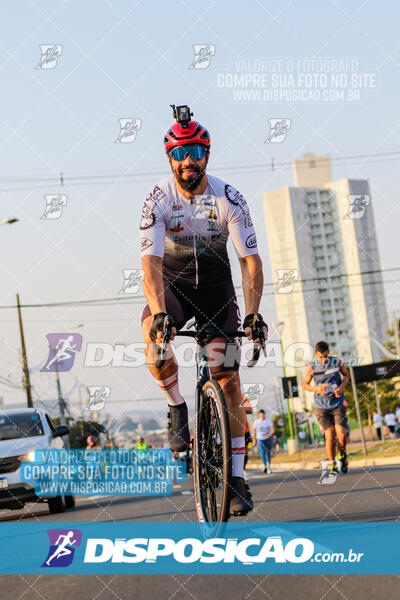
column 141, row 444
column 186, row 221
column 328, row 400
column 92, row 443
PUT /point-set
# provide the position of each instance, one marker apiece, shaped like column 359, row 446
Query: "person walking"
column 262, row 437
column 390, row 421
column 378, row 424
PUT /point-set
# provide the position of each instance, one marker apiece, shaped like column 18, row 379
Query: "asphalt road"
column 368, row 494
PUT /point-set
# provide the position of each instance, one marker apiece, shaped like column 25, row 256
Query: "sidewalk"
column 297, row 466
column 310, row 459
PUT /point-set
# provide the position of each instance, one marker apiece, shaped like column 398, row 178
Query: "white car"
column 22, row 431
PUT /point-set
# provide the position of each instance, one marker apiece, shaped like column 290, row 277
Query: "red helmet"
column 194, row 133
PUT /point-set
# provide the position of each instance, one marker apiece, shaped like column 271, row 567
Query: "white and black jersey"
column 191, row 235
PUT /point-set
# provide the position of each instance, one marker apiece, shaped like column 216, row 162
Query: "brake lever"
column 257, row 347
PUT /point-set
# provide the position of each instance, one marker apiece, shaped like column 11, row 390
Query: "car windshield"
column 19, row 425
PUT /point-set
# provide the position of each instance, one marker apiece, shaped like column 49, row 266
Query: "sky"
column 124, row 60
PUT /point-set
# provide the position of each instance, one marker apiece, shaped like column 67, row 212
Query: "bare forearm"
column 153, row 283
column 252, row 282
column 309, row 387
column 345, row 381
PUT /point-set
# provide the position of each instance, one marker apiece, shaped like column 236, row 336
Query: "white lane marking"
column 186, row 492
column 95, row 497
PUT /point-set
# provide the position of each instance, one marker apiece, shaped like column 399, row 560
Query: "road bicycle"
column 212, row 457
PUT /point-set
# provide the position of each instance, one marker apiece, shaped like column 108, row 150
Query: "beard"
column 193, row 181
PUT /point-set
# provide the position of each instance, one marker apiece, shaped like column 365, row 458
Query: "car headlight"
column 29, row 456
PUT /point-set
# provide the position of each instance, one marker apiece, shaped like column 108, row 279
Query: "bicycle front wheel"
column 212, row 458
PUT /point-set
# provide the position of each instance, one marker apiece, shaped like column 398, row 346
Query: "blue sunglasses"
column 195, row 151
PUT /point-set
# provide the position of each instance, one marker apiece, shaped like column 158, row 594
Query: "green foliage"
column 280, row 431
column 388, row 390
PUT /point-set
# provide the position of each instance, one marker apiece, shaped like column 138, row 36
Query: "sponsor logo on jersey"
column 176, row 216
column 145, row 243
column 177, row 227
column 247, row 220
column 236, row 199
column 196, row 238
column 183, row 250
column 157, row 193
column 148, row 217
column 251, row 241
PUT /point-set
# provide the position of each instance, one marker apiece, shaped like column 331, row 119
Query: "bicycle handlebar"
column 194, row 334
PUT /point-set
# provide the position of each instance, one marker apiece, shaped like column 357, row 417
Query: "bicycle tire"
column 212, row 458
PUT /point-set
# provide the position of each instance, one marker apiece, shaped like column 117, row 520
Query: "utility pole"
column 27, row 383
column 81, row 411
column 61, row 403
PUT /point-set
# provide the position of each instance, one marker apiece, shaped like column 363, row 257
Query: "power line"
column 104, row 178
column 129, row 300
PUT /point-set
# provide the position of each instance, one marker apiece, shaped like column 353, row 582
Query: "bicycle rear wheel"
column 212, row 458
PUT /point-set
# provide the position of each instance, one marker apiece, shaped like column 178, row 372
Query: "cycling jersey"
column 191, row 235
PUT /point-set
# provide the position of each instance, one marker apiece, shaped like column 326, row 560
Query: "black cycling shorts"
column 217, row 306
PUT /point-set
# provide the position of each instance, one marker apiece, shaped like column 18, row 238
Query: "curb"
column 309, row 466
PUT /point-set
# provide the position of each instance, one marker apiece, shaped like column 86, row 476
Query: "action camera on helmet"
column 182, row 114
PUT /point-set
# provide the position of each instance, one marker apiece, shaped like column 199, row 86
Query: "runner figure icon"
column 64, row 347
column 62, row 550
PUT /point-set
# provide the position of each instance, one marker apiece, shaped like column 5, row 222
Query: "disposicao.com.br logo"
column 247, row 551
column 139, row 547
